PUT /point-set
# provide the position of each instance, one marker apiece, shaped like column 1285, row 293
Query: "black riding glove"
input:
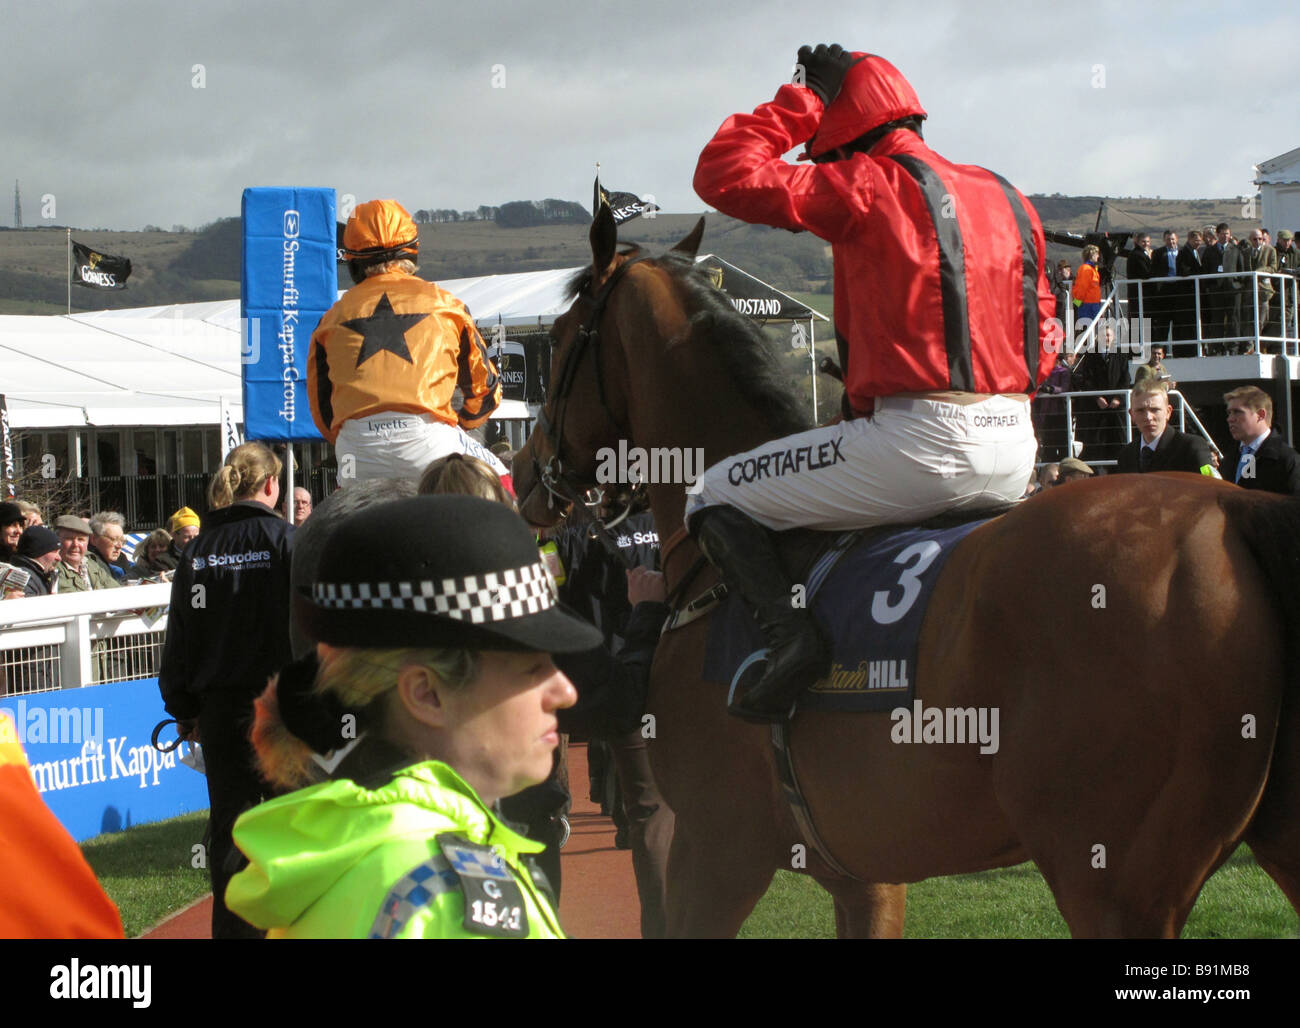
column 824, row 68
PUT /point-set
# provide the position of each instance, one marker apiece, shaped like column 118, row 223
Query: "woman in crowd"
column 151, row 556
column 227, row 633
column 12, row 523
column 431, row 695
column 1087, row 288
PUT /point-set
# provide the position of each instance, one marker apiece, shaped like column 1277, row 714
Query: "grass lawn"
column 148, row 870
column 1239, row 902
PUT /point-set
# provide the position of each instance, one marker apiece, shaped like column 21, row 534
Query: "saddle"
column 870, row 590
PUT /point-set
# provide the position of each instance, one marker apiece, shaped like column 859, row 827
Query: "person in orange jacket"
column 387, row 358
column 47, row 890
column 1087, row 286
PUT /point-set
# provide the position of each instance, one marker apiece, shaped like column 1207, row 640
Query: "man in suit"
column 1288, row 262
column 1137, row 268
column 1212, row 291
column 1261, row 257
column 1104, row 370
column 1160, row 446
column 1258, row 459
column 1236, row 257
column 1188, row 267
column 1163, row 291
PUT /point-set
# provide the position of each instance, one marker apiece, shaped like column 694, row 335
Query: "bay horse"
column 1140, row 744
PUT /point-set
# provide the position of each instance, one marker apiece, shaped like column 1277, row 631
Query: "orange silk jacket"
column 398, row 343
column 47, row 890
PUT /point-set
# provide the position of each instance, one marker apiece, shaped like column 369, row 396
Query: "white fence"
column 79, row 639
column 1212, row 314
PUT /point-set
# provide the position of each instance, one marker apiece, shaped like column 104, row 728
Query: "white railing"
column 1199, row 311
column 1182, row 412
column 77, row 639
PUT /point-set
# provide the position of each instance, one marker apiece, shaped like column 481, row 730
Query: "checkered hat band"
column 476, row 599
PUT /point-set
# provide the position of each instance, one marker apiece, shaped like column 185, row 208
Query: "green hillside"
column 184, row 267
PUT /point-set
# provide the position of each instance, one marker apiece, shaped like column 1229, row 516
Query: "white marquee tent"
column 176, row 365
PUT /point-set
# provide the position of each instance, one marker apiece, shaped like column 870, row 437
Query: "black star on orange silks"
column 383, row 330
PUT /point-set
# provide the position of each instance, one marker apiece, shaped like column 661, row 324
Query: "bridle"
column 561, row 482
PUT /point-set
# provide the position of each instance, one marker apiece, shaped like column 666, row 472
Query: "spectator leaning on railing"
column 38, row 553
column 107, row 534
column 184, row 527
column 151, row 557
column 77, row 572
column 12, row 523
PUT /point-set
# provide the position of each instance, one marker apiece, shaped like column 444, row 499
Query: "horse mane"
column 748, row 357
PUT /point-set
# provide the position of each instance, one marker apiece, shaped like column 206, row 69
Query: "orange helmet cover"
column 378, row 226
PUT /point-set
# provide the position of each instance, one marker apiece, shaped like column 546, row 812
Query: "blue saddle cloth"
column 872, row 600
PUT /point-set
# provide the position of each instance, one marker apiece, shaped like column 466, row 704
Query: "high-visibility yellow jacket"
column 398, row 343
column 341, row 861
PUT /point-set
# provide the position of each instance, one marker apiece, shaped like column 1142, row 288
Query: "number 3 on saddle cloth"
column 870, row 591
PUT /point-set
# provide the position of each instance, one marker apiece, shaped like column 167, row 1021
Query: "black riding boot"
column 745, row 553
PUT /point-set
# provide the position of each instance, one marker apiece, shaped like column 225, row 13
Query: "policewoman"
column 431, row 695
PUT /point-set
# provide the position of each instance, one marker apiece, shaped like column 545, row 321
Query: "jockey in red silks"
column 942, row 308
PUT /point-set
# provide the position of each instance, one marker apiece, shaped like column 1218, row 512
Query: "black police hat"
column 439, row 571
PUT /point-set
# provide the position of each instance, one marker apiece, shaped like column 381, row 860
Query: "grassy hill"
column 183, row 267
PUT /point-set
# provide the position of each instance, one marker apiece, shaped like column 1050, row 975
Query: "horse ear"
column 604, row 241
column 691, row 244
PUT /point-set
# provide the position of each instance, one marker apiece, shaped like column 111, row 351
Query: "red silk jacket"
column 940, row 268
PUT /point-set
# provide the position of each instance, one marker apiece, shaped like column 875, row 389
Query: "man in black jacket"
column 1188, row 266
column 1163, row 291
column 38, row 554
column 1138, row 268
column 1160, row 446
column 1259, row 458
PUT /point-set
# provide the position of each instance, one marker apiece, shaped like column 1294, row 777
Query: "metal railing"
column 79, row 639
column 1103, row 434
column 1211, row 315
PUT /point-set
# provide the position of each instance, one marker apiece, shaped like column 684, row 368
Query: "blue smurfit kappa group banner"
column 289, row 279
column 90, row 755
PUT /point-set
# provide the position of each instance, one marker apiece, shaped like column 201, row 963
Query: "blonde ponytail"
column 246, row 469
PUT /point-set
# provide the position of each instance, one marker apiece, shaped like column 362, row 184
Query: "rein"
column 560, row 482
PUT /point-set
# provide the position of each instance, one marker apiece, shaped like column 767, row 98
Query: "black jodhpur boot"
column 745, row 552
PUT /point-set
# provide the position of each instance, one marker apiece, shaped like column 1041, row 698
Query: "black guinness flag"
column 98, row 270
column 624, row 206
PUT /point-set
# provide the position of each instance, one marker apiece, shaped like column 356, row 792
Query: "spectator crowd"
column 1199, row 289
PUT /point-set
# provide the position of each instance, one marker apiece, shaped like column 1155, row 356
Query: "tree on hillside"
column 519, row 214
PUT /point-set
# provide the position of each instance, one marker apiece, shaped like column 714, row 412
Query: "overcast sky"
column 444, row 104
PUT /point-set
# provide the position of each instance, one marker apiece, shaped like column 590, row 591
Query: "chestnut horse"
column 1138, row 636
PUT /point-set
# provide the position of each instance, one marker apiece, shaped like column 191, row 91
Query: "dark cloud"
column 163, row 113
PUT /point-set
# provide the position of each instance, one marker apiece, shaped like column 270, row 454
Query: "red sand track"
column 597, row 897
